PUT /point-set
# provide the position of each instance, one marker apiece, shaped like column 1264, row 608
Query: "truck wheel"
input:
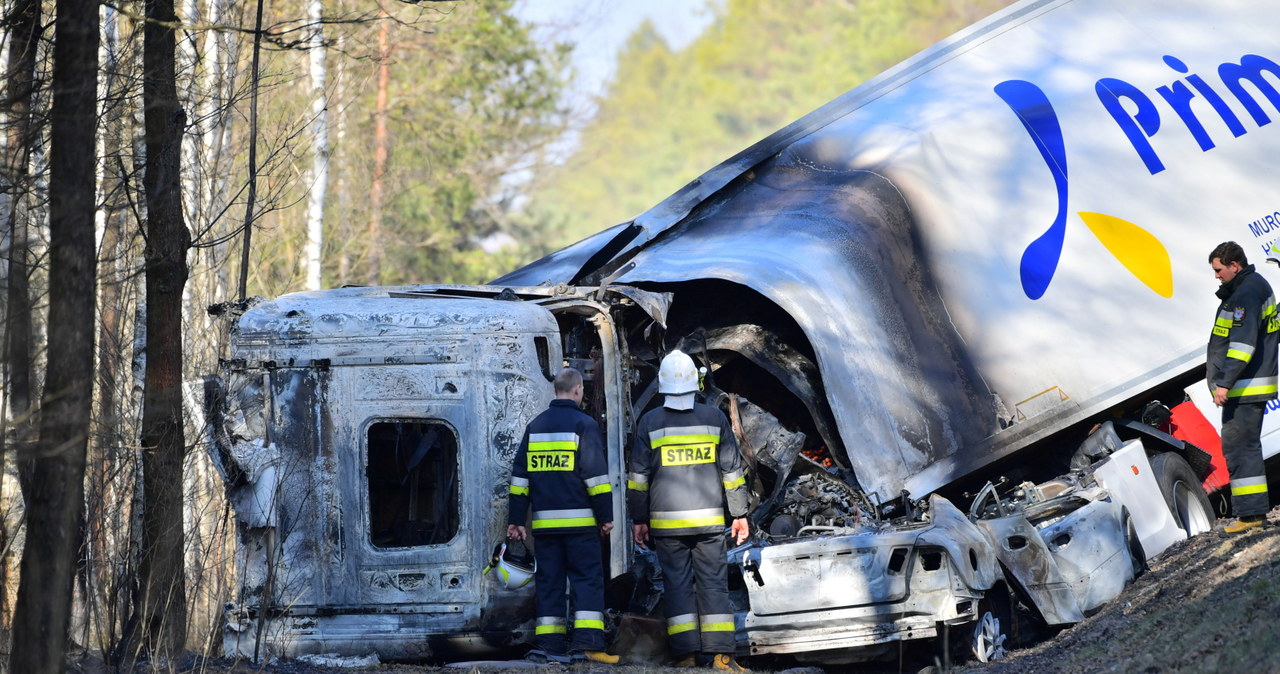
column 1183, row 493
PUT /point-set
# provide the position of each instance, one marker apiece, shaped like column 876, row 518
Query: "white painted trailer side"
column 1069, row 170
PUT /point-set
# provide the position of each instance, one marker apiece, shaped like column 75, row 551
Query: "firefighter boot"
column 600, row 657
column 726, row 661
column 1244, row 524
column 690, row 660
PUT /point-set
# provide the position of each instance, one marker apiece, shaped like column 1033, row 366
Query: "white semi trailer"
column 946, row 277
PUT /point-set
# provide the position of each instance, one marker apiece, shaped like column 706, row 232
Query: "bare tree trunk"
column 56, row 499
column 379, row 152
column 24, row 27
column 253, row 153
column 162, row 607
column 320, row 157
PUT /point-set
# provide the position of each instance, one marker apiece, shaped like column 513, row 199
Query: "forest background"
column 159, row 160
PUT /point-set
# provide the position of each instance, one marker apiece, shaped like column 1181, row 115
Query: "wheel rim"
column 1191, row 513
column 988, row 640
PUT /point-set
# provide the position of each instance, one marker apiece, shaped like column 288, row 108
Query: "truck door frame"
column 617, row 424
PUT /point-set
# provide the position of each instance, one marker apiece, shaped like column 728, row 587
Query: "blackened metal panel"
column 298, row 420
column 837, row 251
column 828, row 573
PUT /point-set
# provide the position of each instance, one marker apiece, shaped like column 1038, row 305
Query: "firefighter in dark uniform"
column 1241, row 372
column 684, row 465
column 561, row 470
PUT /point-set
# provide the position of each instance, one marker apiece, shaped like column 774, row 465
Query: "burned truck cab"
column 365, row 436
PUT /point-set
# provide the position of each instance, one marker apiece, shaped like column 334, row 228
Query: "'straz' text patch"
column 685, row 455
column 550, row 460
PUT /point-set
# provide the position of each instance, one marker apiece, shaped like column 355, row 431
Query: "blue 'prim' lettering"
column 1250, row 68
column 1137, row 127
column 1179, row 98
column 1142, row 124
column 1220, row 106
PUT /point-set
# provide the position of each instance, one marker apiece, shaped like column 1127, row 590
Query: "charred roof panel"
column 302, row 327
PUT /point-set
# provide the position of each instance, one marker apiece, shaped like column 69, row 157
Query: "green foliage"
column 669, row 115
column 471, row 103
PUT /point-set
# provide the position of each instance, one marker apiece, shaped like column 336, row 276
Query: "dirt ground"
column 1209, row 604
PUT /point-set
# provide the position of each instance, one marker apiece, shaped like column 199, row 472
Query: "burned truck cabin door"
column 433, row 439
column 410, row 469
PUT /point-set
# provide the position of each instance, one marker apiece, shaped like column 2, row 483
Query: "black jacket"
column 561, row 470
column 1242, row 346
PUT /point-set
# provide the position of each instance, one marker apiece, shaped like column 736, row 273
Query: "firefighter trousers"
column 1242, row 447
column 577, row 558
column 696, row 593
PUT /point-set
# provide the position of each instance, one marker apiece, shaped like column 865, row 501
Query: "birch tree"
column 320, row 148
column 380, row 141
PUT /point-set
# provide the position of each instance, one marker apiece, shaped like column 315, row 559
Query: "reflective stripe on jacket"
column 561, row 470
column 1242, row 346
column 684, row 466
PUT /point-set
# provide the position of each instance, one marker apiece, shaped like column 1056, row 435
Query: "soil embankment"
column 1208, row 604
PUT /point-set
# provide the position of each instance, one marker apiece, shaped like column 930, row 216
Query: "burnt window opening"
column 897, row 560
column 542, row 347
column 583, row 351
column 412, row 476
column 930, row 560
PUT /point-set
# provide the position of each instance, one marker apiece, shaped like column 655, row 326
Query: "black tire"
column 1137, row 555
column 1182, row 493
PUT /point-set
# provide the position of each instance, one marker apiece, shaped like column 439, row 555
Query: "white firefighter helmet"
column 515, row 565
column 677, row 375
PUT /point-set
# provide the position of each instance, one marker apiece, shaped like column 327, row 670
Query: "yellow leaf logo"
column 1137, row 249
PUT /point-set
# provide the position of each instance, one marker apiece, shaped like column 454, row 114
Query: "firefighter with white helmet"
column 678, row 377
column 684, row 468
column 560, row 469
